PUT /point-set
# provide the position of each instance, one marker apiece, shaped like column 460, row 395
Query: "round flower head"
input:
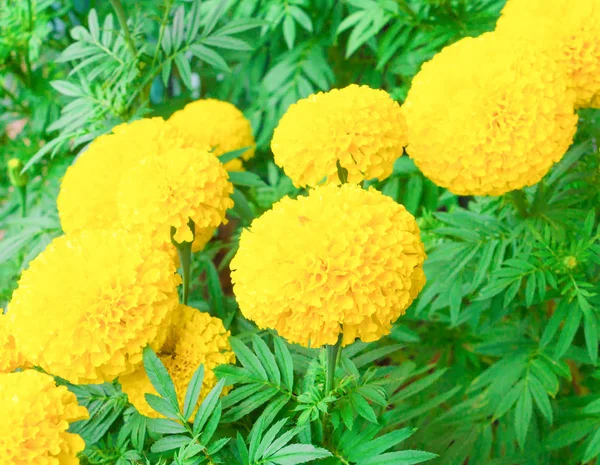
column 359, row 128
column 481, row 126
column 165, row 192
column 341, row 261
column 90, row 303
column 218, row 125
column 195, row 339
column 10, row 357
column 569, row 30
column 87, row 197
column 35, row 417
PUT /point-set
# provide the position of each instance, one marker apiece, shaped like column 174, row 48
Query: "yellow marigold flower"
column 166, row 191
column 218, row 125
column 195, row 339
column 485, row 126
column 342, row 260
column 87, row 197
column 90, row 303
column 10, row 357
column 35, row 417
column 360, row 128
column 202, row 237
column 569, row 30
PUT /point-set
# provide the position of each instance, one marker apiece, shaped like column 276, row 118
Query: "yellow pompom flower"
column 486, row 126
column 360, row 128
column 90, row 303
column 10, row 357
column 569, row 30
column 195, row 339
column 88, row 193
column 218, row 125
column 167, row 191
column 35, row 417
column 342, row 260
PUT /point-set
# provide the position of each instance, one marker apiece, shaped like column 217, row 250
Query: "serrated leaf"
column 185, row 72
column 165, row 426
column 209, row 56
column 570, row 327
column 267, row 359
column 162, row 406
column 593, row 447
column 246, row 178
column 159, row 376
column 523, row 412
column 169, row 443
column 286, row 364
column 541, row 398
column 67, row 88
column 213, row 17
column 208, row 406
column 178, row 28
column 232, row 155
column 192, row 394
column 289, row 31
column 302, row 18
column 247, row 358
column 405, row 457
column 228, row 43
column 298, row 453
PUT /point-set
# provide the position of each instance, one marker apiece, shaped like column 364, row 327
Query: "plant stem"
column 332, row 356
column 184, row 250
column 118, row 7
column 520, row 202
column 23, row 196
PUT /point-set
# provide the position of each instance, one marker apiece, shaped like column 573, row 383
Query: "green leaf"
column 405, row 457
column 67, row 88
column 571, row 432
column 381, row 444
column 192, row 394
column 246, row 178
column 193, row 21
column 228, row 43
column 165, row 426
column 247, row 358
column 213, row 282
column 208, row 407
column 169, row 443
column 571, row 325
column 284, row 359
column 178, row 28
column 185, row 72
column 228, row 156
column 159, row 376
column 509, row 400
column 267, row 359
column 289, row 31
column 302, row 18
column 362, row 407
column 298, row 453
column 241, row 206
column 593, row 447
column 213, row 17
column 523, row 413
column 250, row 404
column 590, row 328
column 162, row 406
column 209, row 56
column 541, row 398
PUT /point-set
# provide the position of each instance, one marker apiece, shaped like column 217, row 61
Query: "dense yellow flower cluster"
column 167, row 191
column 360, row 128
column 218, row 125
column 88, row 193
column 487, row 115
column 90, row 303
column 35, row 416
column 568, row 30
column 10, row 357
column 195, row 339
column 342, row 260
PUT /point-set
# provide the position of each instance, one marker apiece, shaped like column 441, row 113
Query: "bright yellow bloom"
column 218, row 125
column 88, row 193
column 202, row 237
column 361, row 128
column 90, row 303
column 569, row 30
column 34, row 421
column 341, row 260
column 10, row 357
column 486, row 116
column 195, row 339
column 166, row 191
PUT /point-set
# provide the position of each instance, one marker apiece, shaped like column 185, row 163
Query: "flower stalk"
column 184, row 250
column 519, row 201
column 332, row 357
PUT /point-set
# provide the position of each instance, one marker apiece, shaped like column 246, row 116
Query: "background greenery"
column 497, row 361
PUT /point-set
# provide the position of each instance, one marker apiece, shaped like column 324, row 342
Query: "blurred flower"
column 569, row 31
column 342, row 260
column 10, row 357
column 167, row 191
column 194, row 339
column 88, row 193
column 481, row 126
column 35, row 417
column 90, row 303
column 360, row 128
column 217, row 125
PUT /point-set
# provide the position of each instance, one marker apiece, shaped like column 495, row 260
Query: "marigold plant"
column 35, row 417
column 10, row 357
column 358, row 129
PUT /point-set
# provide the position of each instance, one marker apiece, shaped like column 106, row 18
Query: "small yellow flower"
column 569, row 31
column 341, row 260
column 166, row 191
column 34, row 421
column 88, row 193
column 195, row 338
column 90, row 303
column 217, row 125
column 360, row 128
column 10, row 357
column 485, row 126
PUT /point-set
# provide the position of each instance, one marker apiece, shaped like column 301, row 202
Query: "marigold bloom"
column 481, row 126
column 218, row 125
column 166, row 191
column 569, row 30
column 195, row 339
column 342, row 260
column 35, row 417
column 10, row 357
column 90, row 303
column 88, row 193
column 360, row 128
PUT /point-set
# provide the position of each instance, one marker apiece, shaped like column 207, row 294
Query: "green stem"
column 332, row 355
column 184, row 250
column 23, row 197
column 520, row 202
column 118, row 7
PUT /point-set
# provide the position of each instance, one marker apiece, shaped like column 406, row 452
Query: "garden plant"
column 280, row 232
